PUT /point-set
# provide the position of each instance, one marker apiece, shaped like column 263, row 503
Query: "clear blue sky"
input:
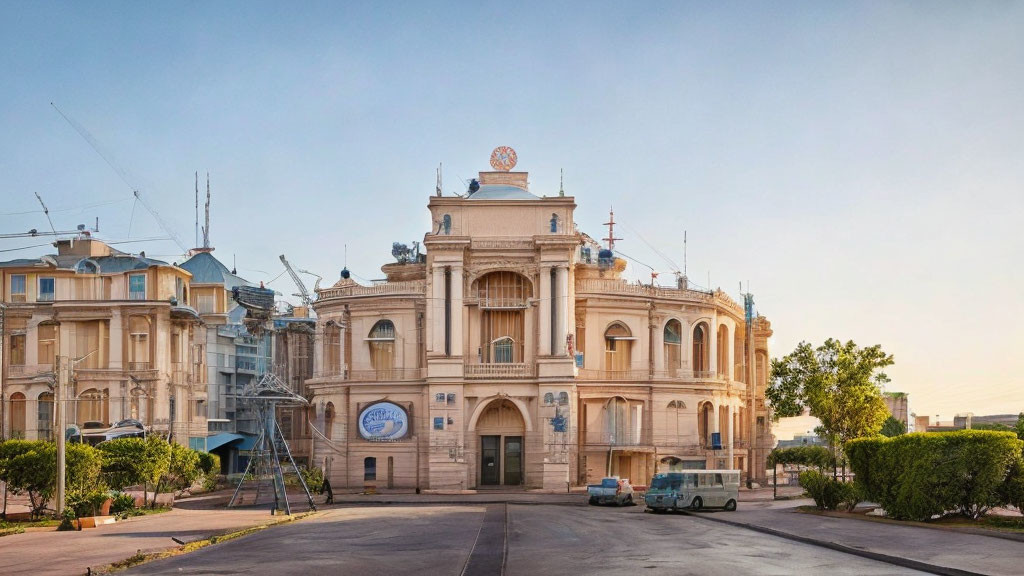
column 858, row 163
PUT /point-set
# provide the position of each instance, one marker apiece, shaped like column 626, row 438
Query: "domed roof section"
column 501, row 192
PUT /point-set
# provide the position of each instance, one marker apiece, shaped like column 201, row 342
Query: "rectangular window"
column 451, row 399
column 438, row 423
column 439, row 397
column 46, row 339
column 45, row 290
column 137, row 287
column 17, row 349
column 18, row 288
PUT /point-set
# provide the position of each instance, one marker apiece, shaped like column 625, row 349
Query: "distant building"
column 803, row 440
column 896, row 403
column 235, row 358
column 139, row 346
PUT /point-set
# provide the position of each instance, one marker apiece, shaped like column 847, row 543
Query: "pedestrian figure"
column 326, row 487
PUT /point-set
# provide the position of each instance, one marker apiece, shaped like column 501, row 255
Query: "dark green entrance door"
column 513, row 460
column 490, row 460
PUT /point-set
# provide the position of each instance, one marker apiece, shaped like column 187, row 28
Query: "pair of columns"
column 553, row 316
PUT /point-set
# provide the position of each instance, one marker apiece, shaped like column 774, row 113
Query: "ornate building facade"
column 123, row 321
column 514, row 353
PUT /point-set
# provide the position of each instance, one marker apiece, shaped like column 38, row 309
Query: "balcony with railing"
column 491, row 301
column 139, row 366
column 387, row 375
column 614, row 375
column 499, row 370
column 28, row 370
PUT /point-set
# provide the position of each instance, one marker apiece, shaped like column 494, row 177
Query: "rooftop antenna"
column 206, row 229
column 437, row 188
column 47, row 212
column 561, row 182
column 684, row 253
column 611, row 229
column 234, row 265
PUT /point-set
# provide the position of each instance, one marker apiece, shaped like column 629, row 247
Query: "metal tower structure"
column 264, row 394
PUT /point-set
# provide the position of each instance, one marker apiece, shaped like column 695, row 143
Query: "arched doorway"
column 501, row 429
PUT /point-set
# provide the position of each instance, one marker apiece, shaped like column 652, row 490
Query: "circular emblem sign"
column 383, row 421
column 503, row 158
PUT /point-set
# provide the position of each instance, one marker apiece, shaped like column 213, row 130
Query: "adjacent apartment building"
column 514, row 353
column 122, row 321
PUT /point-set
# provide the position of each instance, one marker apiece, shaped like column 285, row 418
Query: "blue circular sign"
column 383, row 421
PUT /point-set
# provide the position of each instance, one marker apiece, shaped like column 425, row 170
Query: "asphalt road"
column 477, row 540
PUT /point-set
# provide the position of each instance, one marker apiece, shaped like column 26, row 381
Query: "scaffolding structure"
column 270, row 457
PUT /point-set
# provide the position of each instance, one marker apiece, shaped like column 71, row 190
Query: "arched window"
column 739, row 358
column 92, row 407
column 563, row 398
column 17, row 404
column 549, row 398
column 138, row 352
column 554, row 223
column 673, row 346
column 618, row 343
column 329, row 421
column 705, row 422
column 502, row 297
column 87, row 266
column 503, row 350
column 723, row 350
column 700, row 349
column 332, row 349
column 44, row 416
column 369, row 468
column 382, row 347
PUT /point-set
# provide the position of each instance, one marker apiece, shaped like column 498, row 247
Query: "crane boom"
column 87, row 136
column 307, row 300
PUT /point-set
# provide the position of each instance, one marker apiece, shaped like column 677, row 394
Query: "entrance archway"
column 501, row 430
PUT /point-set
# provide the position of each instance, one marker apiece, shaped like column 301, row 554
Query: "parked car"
column 611, row 490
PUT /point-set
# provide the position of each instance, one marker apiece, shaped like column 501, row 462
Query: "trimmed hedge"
column 818, row 456
column 922, row 475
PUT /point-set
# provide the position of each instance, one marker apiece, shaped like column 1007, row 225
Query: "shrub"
column 209, row 463
column 123, row 505
column 818, row 456
column 314, row 479
column 922, row 475
column 827, row 492
column 86, row 503
column 1012, row 490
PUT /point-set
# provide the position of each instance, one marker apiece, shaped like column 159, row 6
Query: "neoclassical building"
column 125, row 322
column 513, row 353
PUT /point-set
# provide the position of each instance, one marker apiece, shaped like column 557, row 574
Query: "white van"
column 694, row 490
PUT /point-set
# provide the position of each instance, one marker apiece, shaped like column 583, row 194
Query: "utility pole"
column 748, row 305
column 60, row 384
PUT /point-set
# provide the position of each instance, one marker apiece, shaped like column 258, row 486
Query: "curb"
column 1013, row 536
column 446, row 503
column 888, row 559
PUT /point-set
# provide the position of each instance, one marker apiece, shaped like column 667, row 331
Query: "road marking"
column 487, row 558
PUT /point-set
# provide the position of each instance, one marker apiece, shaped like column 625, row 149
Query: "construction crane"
column 307, row 299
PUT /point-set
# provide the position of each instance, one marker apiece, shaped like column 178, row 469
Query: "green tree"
column 893, row 427
column 182, row 470
column 31, row 468
column 134, row 461
column 839, row 383
column 1020, row 426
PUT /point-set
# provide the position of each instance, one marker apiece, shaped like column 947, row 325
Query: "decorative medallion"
column 503, row 158
column 383, row 421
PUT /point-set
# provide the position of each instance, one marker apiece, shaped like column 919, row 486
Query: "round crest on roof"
column 503, row 158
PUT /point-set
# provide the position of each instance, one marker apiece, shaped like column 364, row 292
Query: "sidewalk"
column 67, row 553
column 936, row 551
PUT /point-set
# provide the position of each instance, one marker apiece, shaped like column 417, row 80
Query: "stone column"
column 456, row 335
column 562, row 312
column 729, row 434
column 713, row 345
column 544, row 312
column 436, row 316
